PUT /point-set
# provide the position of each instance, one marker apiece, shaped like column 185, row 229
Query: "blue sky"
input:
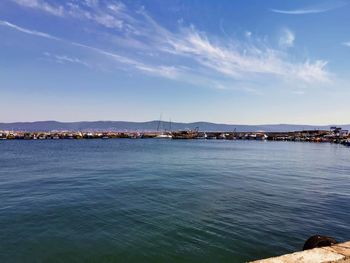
column 243, row 62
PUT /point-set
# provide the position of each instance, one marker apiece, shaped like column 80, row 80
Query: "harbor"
column 333, row 135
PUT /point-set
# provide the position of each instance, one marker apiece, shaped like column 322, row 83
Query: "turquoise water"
column 127, row 200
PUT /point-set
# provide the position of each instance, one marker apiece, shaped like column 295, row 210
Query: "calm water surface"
column 168, row 201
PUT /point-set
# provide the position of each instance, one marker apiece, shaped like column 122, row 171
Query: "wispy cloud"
column 110, row 15
column 248, row 34
column 63, row 59
column 312, row 72
column 347, row 44
column 244, row 61
column 161, row 70
column 27, row 31
column 300, row 11
column 57, row 10
column 287, row 38
column 186, row 54
column 312, row 10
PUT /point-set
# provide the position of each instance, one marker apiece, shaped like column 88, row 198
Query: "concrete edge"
column 336, row 253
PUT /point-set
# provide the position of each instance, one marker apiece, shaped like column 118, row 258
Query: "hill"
column 152, row 126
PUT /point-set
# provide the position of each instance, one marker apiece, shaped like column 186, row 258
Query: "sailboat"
column 163, row 134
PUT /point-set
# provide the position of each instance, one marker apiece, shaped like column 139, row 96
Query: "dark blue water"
column 168, row 201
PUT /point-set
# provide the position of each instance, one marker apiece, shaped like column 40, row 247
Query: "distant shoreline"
column 151, row 126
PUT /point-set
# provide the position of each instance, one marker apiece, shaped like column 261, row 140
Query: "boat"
column 163, row 136
column 347, row 142
column 221, row 136
column 191, row 134
column 211, row 136
column 261, row 137
column 202, row 136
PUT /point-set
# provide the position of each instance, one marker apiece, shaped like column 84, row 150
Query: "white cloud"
column 115, row 56
column 92, row 3
column 110, row 16
column 287, row 39
column 299, row 11
column 235, row 60
column 213, row 61
column 170, row 72
column 108, row 21
column 248, row 34
column 27, row 31
column 313, row 72
column 164, row 71
column 347, row 44
column 42, row 5
column 312, row 10
column 247, row 61
column 62, row 59
column 117, row 7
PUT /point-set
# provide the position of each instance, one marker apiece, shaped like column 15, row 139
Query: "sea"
column 149, row 200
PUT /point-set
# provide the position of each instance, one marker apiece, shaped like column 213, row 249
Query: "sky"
column 237, row 62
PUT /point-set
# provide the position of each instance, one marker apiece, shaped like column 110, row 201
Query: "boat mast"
column 160, row 119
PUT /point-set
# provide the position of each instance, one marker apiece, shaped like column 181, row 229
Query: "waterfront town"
column 334, row 135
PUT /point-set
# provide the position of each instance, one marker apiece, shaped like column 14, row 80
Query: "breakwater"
column 335, row 135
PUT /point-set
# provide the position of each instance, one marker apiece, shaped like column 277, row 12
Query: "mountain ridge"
column 153, row 125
